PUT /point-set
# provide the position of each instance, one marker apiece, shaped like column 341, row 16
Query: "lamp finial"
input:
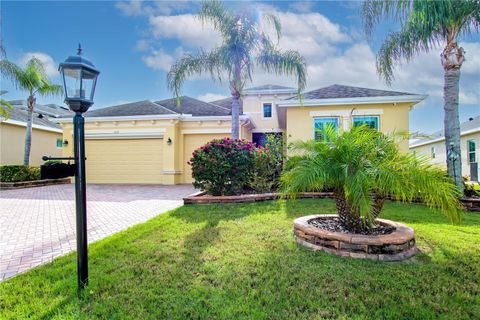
column 79, row 50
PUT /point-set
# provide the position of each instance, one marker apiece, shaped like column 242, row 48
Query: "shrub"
column 268, row 165
column 15, row 173
column 223, row 166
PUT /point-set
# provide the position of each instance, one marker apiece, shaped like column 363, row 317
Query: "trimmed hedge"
column 16, row 173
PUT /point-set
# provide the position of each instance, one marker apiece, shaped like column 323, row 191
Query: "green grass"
column 241, row 262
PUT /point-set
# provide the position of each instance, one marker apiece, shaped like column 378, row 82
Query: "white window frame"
column 330, row 117
column 470, row 152
column 56, row 143
column 263, row 110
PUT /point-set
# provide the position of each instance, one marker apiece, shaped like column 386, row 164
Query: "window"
column 59, row 143
column 371, row 121
column 267, row 110
column 432, row 152
column 471, row 145
column 320, row 124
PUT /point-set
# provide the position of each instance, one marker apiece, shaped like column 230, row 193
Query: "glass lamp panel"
column 71, row 78
column 88, row 84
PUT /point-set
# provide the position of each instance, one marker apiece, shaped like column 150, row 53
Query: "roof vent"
column 470, row 119
column 40, row 116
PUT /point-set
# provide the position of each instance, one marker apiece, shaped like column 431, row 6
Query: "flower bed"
column 204, row 198
column 33, row 183
column 394, row 246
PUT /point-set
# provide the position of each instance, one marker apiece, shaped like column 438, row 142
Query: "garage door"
column 191, row 143
column 124, row 161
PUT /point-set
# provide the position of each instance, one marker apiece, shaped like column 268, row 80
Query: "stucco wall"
column 253, row 106
column 440, row 154
column 12, row 144
column 392, row 118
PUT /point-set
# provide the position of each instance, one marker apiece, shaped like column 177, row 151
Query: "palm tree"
column 33, row 79
column 5, row 106
column 363, row 167
column 244, row 47
column 426, row 25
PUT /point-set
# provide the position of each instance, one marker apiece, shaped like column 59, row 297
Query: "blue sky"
column 134, row 43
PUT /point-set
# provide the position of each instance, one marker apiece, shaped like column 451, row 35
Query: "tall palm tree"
column 363, row 167
column 426, row 24
column 33, row 79
column 244, row 47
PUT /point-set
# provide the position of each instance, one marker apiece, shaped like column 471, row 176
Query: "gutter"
column 351, row 101
column 442, row 138
column 34, row 126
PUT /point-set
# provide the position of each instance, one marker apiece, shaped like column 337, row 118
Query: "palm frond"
column 14, row 73
column 205, row 62
column 373, row 11
column 50, row 89
column 275, row 21
column 215, row 12
column 288, row 62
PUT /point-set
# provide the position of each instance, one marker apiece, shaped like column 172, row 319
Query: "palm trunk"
column 235, row 116
column 349, row 218
column 452, row 59
column 28, row 132
column 377, row 205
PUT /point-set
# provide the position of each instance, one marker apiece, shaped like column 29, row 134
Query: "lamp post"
column 452, row 156
column 79, row 80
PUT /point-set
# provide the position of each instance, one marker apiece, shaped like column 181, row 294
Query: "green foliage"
column 424, row 25
column 223, row 166
column 268, row 165
column 240, row 261
column 16, row 173
column 5, row 107
column 363, row 162
column 472, row 190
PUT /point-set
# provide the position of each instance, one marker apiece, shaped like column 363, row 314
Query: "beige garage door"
column 124, row 161
column 192, row 142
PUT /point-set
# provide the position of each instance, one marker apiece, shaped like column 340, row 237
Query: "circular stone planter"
column 396, row 246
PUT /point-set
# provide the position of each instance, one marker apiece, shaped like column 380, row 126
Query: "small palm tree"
column 363, row 167
column 33, row 79
column 244, row 46
column 426, row 25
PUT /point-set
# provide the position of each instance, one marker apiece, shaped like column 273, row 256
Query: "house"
column 433, row 147
column 151, row 141
column 46, row 133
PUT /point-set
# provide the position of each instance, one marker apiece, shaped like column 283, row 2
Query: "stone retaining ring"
column 396, row 246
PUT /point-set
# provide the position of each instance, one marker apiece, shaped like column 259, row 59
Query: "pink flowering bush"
column 223, row 166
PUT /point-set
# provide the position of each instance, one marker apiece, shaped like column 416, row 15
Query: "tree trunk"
column 377, row 205
column 235, row 116
column 349, row 218
column 452, row 59
column 28, row 132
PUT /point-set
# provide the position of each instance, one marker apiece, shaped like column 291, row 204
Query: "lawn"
column 241, row 262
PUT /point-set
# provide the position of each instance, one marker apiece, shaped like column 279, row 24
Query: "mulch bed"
column 333, row 225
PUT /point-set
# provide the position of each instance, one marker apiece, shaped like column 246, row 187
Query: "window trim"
column 329, row 117
column 57, row 142
column 263, row 110
column 364, row 116
column 470, row 152
column 433, row 152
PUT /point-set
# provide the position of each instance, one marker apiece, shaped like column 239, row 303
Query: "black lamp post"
column 79, row 80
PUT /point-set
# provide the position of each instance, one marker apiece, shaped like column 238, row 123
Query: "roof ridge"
column 165, row 108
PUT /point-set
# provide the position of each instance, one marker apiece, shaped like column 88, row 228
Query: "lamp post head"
column 79, row 77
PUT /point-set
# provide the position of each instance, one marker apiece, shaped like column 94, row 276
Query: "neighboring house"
column 151, row 142
column 46, row 133
column 433, row 146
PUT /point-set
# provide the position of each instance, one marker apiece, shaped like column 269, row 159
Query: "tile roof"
column 39, row 119
column 194, row 107
column 227, row 104
column 269, row 87
column 138, row 108
column 51, row 110
column 340, row 91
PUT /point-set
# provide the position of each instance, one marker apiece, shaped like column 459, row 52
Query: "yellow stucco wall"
column 253, row 106
column 440, row 157
column 392, row 118
column 12, row 144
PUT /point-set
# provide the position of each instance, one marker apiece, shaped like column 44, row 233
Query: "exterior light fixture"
column 79, row 80
column 169, row 141
column 65, row 142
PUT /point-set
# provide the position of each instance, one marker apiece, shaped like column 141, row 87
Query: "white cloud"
column 159, row 60
column 301, row 6
column 187, row 29
column 208, row 97
column 47, row 61
column 148, row 8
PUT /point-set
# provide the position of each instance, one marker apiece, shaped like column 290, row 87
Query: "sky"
column 134, row 43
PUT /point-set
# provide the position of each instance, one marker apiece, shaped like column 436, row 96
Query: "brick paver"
column 38, row 224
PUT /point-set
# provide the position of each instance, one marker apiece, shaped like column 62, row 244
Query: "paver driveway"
column 38, row 224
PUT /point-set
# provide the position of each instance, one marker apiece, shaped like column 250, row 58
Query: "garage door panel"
column 124, row 161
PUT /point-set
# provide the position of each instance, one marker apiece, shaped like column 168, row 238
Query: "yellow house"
column 433, row 147
column 151, row 142
column 46, row 134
